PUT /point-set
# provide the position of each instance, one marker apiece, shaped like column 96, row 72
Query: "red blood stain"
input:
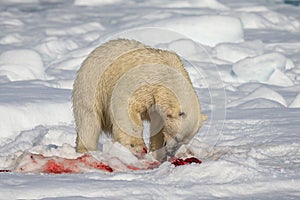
column 93, row 163
column 193, row 160
column 180, row 161
column 55, row 167
column 61, row 165
column 132, row 167
column 145, row 150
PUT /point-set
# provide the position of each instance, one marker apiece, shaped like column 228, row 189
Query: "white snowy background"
column 244, row 60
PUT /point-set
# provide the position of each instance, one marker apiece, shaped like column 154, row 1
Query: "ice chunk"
column 296, row 102
column 264, row 68
column 24, row 106
column 260, row 93
column 234, row 52
column 259, row 103
column 212, row 4
column 95, row 2
column 280, row 79
column 12, row 22
column 190, row 50
column 23, row 117
column 54, row 47
column 22, row 64
column 208, row 30
column 76, row 30
column 11, row 39
column 263, row 18
column 23, row 2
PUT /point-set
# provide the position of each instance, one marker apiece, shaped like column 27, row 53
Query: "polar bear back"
column 95, row 64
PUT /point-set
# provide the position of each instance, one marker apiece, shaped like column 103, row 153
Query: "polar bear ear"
column 204, row 118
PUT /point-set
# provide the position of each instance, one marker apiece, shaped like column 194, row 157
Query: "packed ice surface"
column 243, row 59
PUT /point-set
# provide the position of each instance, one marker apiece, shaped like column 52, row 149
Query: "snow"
column 21, row 64
column 264, row 18
column 205, row 29
column 232, row 53
column 25, row 105
column 296, row 102
column 243, row 59
column 258, row 94
column 263, row 68
column 76, row 30
column 95, row 2
column 212, row 4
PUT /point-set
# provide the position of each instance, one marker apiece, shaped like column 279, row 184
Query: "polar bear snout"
column 141, row 153
column 138, row 150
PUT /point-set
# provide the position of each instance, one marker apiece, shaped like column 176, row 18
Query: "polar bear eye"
column 181, row 113
column 132, row 145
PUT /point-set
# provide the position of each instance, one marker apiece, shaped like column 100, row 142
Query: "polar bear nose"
column 141, row 153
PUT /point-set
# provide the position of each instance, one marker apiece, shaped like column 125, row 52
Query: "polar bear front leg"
column 156, row 141
column 157, row 123
column 88, row 131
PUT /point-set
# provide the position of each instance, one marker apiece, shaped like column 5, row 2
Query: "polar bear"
column 124, row 82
